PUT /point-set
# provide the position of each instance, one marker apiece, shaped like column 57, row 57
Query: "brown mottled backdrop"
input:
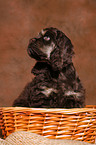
column 22, row 19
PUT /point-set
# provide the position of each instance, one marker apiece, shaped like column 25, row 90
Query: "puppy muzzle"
column 34, row 51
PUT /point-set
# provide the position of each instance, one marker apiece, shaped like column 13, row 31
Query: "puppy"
column 56, row 84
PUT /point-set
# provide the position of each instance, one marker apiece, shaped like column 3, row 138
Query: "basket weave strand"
column 78, row 124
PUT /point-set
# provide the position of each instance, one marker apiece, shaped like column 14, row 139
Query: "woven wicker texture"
column 77, row 124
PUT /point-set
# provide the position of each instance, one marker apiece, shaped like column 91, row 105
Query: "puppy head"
column 53, row 46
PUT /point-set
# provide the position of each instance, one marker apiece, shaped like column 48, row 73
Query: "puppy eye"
column 46, row 38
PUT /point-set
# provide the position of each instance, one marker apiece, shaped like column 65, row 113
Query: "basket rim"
column 47, row 110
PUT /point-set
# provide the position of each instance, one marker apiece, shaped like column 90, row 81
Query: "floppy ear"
column 63, row 52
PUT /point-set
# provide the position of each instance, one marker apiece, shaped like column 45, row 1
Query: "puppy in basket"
column 56, row 83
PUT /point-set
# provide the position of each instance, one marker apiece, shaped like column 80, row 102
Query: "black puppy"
column 56, row 84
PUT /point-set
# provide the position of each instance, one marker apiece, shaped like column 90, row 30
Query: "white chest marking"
column 48, row 91
column 69, row 93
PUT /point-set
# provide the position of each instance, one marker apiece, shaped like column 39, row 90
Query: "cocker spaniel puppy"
column 56, row 84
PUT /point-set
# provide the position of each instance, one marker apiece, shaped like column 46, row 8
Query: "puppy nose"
column 32, row 40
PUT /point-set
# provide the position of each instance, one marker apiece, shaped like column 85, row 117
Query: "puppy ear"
column 62, row 54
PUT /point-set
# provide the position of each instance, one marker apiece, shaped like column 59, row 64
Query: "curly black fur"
column 56, row 84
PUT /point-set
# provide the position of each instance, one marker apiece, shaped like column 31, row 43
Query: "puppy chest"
column 47, row 91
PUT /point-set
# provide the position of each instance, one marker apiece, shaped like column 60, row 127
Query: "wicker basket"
column 78, row 124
